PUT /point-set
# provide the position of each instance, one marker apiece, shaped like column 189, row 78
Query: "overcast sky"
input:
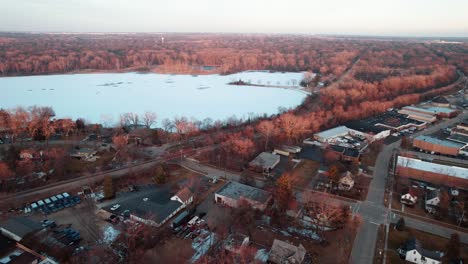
column 367, row 17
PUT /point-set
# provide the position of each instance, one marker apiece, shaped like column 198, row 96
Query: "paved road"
column 374, row 213
column 25, row 196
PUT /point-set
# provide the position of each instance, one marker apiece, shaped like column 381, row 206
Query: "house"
column 86, row 154
column 18, row 227
column 184, row 196
column 409, row 199
column 432, row 201
column 435, row 145
column 28, row 154
column 330, row 134
column 413, row 252
column 285, row 253
column 265, row 162
column 346, row 181
column 233, row 192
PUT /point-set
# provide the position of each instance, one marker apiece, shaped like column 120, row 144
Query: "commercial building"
column 233, row 192
column 442, row 174
column 368, row 130
column 397, row 122
column 17, row 228
column 154, row 206
column 437, row 146
column 330, row 134
column 425, row 114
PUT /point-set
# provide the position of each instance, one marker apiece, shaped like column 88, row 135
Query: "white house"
column 432, row 201
column 346, row 182
column 184, row 196
column 409, row 199
column 413, row 252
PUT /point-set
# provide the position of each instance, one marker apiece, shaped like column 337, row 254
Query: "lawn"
column 305, row 172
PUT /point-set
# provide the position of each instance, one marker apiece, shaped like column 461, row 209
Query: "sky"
column 344, row 17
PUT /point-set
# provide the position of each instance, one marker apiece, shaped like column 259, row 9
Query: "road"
column 25, row 196
column 373, row 211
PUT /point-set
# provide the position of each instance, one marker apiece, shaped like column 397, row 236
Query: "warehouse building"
column 437, row 146
column 447, row 175
column 330, row 134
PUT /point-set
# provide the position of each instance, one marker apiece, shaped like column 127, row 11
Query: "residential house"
column 413, row 252
column 283, row 252
column 346, row 181
column 184, row 196
column 409, row 199
column 432, row 201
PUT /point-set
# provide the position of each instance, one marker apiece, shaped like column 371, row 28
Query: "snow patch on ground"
column 110, row 234
column 262, row 255
column 304, row 233
column 201, row 244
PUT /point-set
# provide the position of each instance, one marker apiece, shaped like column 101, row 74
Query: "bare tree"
column 149, row 119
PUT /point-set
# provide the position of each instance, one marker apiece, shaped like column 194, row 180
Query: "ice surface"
column 102, row 97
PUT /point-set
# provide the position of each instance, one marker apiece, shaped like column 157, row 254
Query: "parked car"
column 115, row 207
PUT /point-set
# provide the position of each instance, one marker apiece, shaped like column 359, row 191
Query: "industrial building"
column 437, row 146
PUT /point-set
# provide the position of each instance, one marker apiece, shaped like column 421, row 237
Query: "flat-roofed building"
column 233, row 192
column 438, row 146
column 447, row 175
column 265, row 162
column 330, row 134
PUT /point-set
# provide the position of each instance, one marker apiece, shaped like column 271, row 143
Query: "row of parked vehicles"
column 53, row 204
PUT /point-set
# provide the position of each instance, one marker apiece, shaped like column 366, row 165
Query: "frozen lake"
column 102, row 97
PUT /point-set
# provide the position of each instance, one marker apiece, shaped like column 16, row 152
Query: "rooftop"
column 266, row 160
column 237, row 190
column 365, row 126
column 459, row 138
column 157, row 207
column 440, row 100
column 284, row 253
column 20, row 226
column 417, row 164
column 333, row 132
column 433, row 110
column 442, row 142
column 394, row 120
column 412, row 244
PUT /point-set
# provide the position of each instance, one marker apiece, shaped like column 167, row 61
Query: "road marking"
column 374, row 223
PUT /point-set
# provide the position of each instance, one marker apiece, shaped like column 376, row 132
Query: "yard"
column 428, row 241
column 305, row 174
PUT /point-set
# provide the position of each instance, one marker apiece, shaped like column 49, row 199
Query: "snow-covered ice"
column 102, row 97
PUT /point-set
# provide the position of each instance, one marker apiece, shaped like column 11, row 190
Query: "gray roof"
column 333, row 132
column 20, row 226
column 265, row 160
column 283, row 252
column 459, row 138
column 237, row 190
column 157, row 208
column 441, row 142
